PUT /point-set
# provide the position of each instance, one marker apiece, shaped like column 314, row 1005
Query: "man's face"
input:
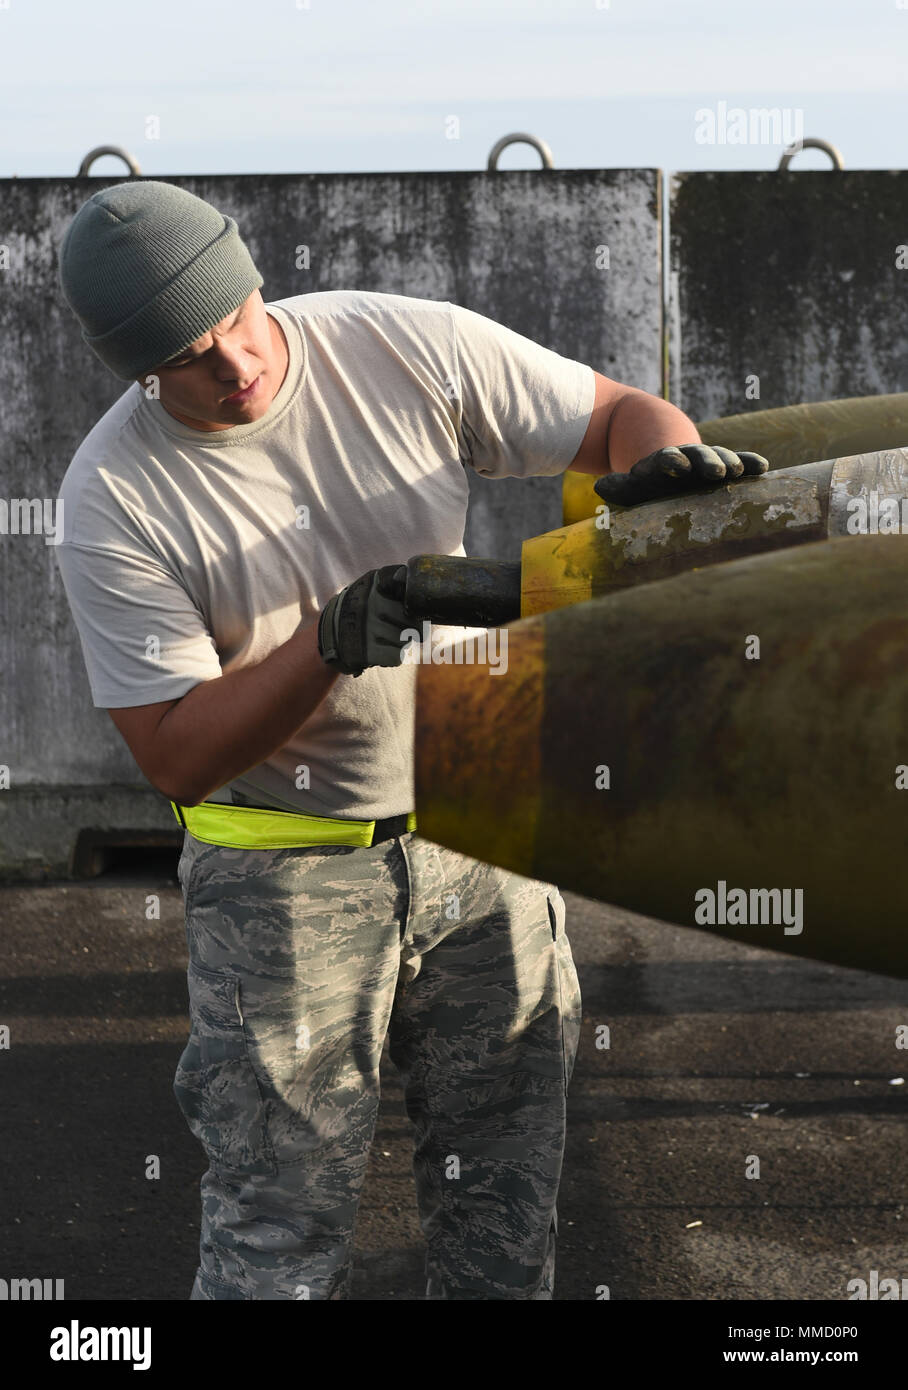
column 245, row 353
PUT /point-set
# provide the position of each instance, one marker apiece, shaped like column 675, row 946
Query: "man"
column 234, row 525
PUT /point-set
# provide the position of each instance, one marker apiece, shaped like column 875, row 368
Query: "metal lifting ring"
column 519, row 138
column 810, row 144
column 92, row 155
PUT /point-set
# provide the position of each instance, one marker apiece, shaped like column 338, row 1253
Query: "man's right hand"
column 361, row 626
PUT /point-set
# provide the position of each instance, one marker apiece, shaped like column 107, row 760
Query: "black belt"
column 389, row 828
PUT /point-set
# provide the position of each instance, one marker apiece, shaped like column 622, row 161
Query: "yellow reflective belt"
column 251, row 827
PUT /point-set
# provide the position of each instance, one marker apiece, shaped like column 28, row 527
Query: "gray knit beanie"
column 147, row 268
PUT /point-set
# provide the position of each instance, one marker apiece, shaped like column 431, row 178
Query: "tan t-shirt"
column 188, row 554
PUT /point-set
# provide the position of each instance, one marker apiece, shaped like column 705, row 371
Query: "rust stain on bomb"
column 478, row 751
column 771, row 773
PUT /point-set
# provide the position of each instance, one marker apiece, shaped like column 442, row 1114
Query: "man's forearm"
column 639, row 425
column 223, row 727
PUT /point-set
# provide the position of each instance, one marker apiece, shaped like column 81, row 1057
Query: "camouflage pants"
column 301, row 962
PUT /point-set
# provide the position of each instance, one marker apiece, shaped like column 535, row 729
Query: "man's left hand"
column 673, row 471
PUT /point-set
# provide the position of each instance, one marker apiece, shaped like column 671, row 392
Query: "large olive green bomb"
column 625, row 546
column 787, row 436
column 726, row 749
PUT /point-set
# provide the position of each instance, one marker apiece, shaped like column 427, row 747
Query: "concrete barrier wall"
column 522, row 247
column 790, row 278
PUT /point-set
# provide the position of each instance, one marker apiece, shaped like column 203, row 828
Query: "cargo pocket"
column 215, row 1085
column 570, row 1001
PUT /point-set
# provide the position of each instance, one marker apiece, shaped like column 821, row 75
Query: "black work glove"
column 361, row 626
column 674, row 471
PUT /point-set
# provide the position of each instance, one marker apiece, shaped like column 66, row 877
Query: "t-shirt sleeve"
column 143, row 638
column 524, row 408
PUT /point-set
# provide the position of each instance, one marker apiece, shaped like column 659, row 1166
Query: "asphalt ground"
column 718, row 1053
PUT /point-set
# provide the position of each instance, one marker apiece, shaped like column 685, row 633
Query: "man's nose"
column 231, row 364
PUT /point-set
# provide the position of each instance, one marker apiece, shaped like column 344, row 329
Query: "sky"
column 317, row 86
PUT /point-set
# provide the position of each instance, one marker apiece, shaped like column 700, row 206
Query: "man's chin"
column 226, row 413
